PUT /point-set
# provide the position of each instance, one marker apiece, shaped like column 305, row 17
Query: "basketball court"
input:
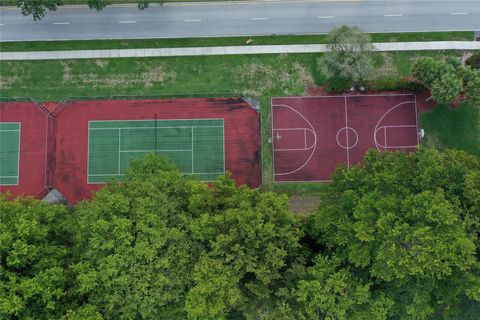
column 312, row 135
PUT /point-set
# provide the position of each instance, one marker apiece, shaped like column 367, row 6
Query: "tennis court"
column 9, row 153
column 195, row 145
column 95, row 140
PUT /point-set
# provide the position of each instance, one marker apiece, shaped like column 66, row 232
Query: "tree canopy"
column 448, row 80
column 409, row 224
column 349, row 54
column 162, row 245
column 38, row 8
column 33, row 259
column 394, row 239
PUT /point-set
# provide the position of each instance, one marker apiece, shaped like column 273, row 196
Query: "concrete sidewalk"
column 230, row 50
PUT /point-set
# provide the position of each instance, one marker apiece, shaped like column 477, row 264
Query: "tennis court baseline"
column 9, row 153
column 195, row 145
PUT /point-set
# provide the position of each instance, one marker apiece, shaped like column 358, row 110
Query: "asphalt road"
column 245, row 18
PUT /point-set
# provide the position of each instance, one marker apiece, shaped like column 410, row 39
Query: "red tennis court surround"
column 34, row 123
column 241, row 136
column 312, row 135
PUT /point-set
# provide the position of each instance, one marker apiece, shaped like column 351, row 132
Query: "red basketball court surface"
column 312, row 135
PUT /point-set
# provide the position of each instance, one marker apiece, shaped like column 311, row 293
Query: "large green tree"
column 349, row 55
column 249, row 238
column 38, row 8
column 160, row 245
column 409, row 224
column 33, row 259
column 133, row 247
column 448, row 80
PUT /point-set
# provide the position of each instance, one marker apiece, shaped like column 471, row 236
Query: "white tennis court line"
column 122, row 174
column 191, row 139
column 192, row 20
column 326, row 17
column 18, row 154
column 136, row 128
column 19, row 130
column 127, row 21
column 153, row 120
column 140, row 127
column 259, row 19
column 392, row 15
column 88, row 152
column 61, row 23
column 153, row 150
column 119, row 147
column 458, row 13
column 223, row 144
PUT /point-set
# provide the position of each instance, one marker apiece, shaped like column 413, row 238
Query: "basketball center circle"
column 347, row 138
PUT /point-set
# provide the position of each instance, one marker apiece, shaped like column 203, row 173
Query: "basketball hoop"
column 421, row 133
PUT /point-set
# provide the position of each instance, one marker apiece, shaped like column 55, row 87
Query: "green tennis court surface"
column 196, row 146
column 9, row 152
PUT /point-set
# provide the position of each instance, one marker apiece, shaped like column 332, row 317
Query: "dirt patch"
column 257, row 79
column 316, row 91
column 147, row 79
column 102, row 63
column 387, row 70
column 67, row 71
column 8, row 82
column 304, row 204
column 424, row 101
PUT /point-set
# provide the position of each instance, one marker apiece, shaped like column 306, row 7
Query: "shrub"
column 474, row 61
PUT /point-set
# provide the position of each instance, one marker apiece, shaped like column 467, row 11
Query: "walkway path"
column 207, row 51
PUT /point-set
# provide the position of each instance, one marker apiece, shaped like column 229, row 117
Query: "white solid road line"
column 392, row 15
column 61, row 23
column 259, row 18
column 458, row 13
column 326, row 17
column 193, row 20
column 129, row 21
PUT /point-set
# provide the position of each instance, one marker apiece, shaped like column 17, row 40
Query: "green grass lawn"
column 222, row 41
column 453, row 128
column 259, row 76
